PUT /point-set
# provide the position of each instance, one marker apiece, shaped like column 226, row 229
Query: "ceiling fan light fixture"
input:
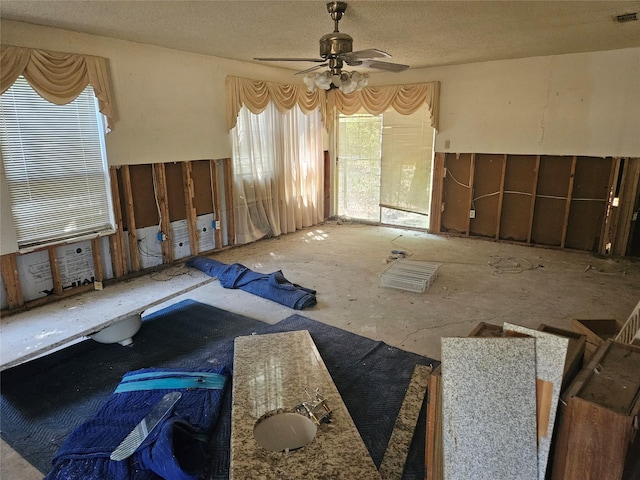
column 346, row 82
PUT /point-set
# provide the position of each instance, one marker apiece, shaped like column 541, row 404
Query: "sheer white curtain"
column 278, row 172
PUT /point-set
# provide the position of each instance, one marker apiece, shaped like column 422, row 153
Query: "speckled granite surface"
column 270, row 372
column 551, row 351
column 395, row 456
column 489, row 408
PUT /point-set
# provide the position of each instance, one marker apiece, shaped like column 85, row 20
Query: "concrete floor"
column 478, row 281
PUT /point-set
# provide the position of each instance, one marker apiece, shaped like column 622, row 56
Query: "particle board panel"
column 489, row 408
column 519, row 182
column 144, row 203
column 487, row 188
column 175, row 191
column 202, row 187
column 551, row 352
column 589, row 202
column 456, row 193
column 551, row 200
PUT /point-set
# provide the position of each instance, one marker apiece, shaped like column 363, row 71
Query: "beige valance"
column 57, row 77
column 257, row 94
column 404, row 99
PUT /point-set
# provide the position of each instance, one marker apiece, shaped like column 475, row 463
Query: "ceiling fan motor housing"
column 335, row 43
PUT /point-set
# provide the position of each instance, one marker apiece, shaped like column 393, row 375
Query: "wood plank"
column 11, row 280
column 472, row 167
column 534, row 190
column 98, row 271
column 54, row 266
column 435, row 221
column 190, row 209
column 228, row 190
column 163, row 205
column 628, row 195
column 501, row 195
column 116, row 244
column 604, row 234
column 215, row 194
column 567, row 207
column 132, row 236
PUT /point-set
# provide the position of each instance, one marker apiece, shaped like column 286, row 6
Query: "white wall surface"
column 579, row 104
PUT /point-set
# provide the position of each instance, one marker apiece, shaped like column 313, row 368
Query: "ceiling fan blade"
column 388, row 66
column 364, row 54
column 290, row 59
column 312, row 69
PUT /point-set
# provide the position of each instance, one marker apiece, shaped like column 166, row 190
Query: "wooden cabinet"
column 598, row 423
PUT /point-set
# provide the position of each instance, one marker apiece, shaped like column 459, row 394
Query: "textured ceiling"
column 417, row 33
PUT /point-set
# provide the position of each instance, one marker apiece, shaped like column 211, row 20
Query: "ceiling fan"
column 336, row 50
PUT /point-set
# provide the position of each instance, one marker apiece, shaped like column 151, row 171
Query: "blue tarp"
column 272, row 286
column 175, row 450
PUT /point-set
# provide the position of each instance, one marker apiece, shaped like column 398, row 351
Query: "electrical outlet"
column 162, row 236
column 472, row 213
column 215, row 225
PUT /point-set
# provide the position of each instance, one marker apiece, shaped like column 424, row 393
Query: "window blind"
column 55, row 165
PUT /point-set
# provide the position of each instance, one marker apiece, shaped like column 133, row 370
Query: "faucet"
column 316, row 409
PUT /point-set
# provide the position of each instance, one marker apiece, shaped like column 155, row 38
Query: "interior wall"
column 577, row 104
column 170, row 104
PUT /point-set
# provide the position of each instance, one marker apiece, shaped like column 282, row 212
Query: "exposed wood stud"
column 228, row 190
column 627, row 197
column 116, row 243
column 189, row 194
column 604, row 232
column 215, row 196
column 132, row 236
column 567, row 208
column 501, row 196
column 55, row 271
column 437, row 190
column 11, row 280
column 472, row 168
column 163, row 204
column 534, row 191
column 96, row 252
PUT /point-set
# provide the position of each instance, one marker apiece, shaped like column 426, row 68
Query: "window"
column 56, row 167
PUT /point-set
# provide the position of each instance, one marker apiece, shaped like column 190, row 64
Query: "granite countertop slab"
column 272, row 372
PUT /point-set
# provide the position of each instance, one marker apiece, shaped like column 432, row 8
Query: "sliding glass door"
column 384, row 167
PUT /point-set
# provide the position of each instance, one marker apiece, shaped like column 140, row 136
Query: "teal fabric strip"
column 200, row 382
column 167, row 374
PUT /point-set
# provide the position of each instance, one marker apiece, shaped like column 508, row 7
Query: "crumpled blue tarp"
column 272, row 286
column 175, row 450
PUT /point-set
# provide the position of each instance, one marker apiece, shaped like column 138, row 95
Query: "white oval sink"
column 283, row 431
column 120, row 332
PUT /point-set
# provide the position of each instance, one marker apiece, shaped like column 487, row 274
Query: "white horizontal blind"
column 407, row 158
column 55, row 164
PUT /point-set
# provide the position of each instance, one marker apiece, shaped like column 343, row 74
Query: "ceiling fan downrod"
column 335, row 43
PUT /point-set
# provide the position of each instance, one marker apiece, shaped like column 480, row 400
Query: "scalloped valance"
column 256, row 95
column 57, row 77
column 404, row 99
